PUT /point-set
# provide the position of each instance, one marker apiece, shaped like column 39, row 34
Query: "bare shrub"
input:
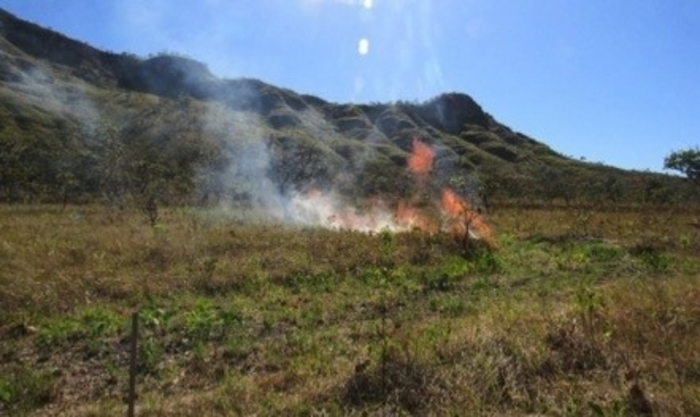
column 397, row 379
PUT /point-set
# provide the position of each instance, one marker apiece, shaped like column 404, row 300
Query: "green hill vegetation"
column 150, row 186
column 82, row 125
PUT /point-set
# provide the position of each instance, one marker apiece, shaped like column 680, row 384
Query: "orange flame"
column 459, row 218
column 462, row 219
column 421, row 160
column 411, row 217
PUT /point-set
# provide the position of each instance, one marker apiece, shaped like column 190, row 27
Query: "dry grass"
column 576, row 314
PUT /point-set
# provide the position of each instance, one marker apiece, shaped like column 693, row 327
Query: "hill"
column 78, row 124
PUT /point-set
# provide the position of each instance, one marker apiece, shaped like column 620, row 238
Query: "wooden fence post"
column 132, row 362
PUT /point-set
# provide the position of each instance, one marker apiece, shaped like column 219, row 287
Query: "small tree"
column 686, row 161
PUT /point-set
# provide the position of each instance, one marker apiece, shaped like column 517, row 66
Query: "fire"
column 421, row 160
column 318, row 208
column 463, row 219
column 409, row 217
column 458, row 216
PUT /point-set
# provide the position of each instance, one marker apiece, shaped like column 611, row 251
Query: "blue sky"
column 615, row 81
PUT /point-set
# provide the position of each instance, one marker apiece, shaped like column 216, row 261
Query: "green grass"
column 238, row 318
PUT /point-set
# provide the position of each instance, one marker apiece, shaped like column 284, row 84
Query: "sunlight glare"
column 363, row 46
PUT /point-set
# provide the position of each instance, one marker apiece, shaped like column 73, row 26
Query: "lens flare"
column 363, row 46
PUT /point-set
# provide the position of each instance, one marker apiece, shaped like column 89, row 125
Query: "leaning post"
column 132, row 362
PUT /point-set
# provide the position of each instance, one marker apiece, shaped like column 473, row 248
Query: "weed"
column 156, row 319
column 486, row 262
column 206, row 321
column 24, row 389
column 93, row 325
column 438, row 282
column 451, row 306
column 58, row 333
column 599, row 252
column 481, row 284
column 588, row 304
column 150, row 355
column 652, row 256
column 100, row 322
column 237, row 347
column 686, row 241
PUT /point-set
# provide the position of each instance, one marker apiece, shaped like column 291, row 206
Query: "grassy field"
column 576, row 313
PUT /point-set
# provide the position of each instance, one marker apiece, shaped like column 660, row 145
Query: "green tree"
column 686, row 161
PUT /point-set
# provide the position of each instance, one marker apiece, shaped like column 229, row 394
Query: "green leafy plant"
column 99, row 322
column 651, row 256
column 150, row 355
column 205, row 321
column 24, row 389
column 156, row 319
column 57, row 333
column 588, row 304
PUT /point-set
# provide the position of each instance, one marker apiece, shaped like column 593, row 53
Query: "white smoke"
column 328, row 210
column 247, row 185
column 70, row 98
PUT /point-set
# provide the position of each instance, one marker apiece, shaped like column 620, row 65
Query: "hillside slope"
column 79, row 124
